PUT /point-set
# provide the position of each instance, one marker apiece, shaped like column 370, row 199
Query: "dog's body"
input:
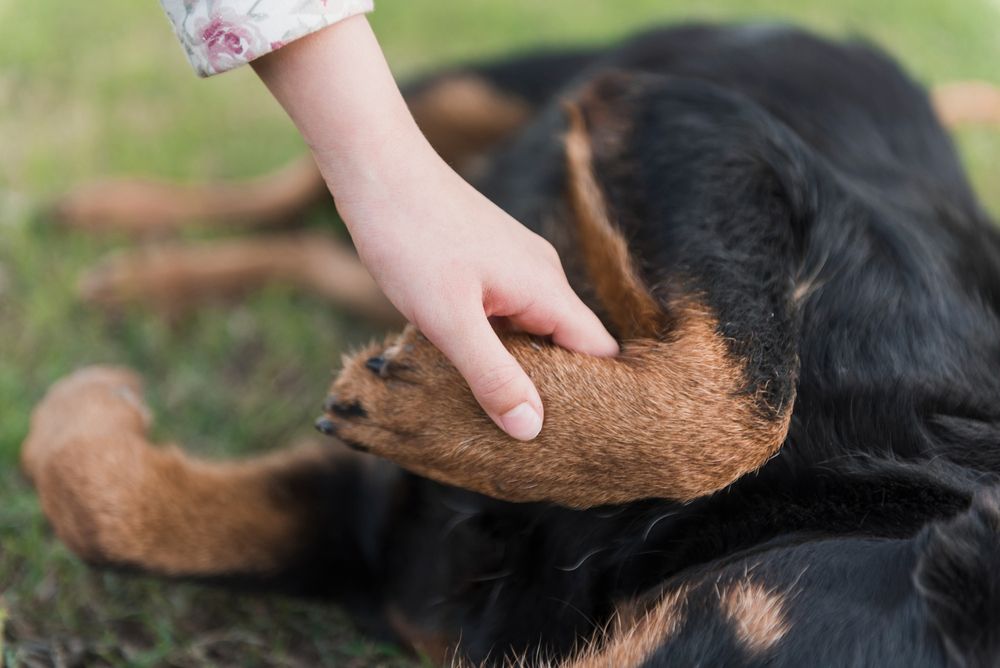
column 792, row 463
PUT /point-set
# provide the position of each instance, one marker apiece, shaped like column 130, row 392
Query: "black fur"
column 807, row 192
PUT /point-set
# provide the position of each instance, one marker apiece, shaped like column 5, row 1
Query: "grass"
column 87, row 93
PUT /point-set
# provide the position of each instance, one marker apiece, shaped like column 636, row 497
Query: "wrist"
column 384, row 159
column 339, row 91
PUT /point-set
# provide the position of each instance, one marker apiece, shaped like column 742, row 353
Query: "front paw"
column 403, row 400
column 387, row 395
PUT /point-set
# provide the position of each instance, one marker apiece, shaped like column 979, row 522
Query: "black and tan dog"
column 793, row 461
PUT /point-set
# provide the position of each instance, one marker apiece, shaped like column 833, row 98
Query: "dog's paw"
column 124, row 278
column 158, row 279
column 84, row 448
column 93, row 400
column 403, row 400
column 390, row 395
column 131, row 206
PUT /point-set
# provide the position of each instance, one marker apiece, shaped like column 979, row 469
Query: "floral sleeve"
column 218, row 35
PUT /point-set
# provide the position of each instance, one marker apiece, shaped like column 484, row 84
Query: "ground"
column 86, row 93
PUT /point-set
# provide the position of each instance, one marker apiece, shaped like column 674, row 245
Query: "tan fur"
column 635, row 631
column 112, row 496
column 667, row 418
column 664, row 419
column 635, row 636
column 757, row 614
column 144, row 207
column 174, row 277
column 617, row 285
column 462, row 116
column 967, row 103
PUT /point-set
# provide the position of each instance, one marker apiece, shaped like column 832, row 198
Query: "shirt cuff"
column 218, row 35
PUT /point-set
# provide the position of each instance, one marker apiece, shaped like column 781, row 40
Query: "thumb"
column 496, row 379
column 569, row 322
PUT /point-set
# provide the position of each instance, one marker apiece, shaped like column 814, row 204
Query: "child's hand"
column 447, row 257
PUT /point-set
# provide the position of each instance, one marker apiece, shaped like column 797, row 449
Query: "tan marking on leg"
column 148, row 207
column 757, row 614
column 176, row 277
column 617, row 285
column 112, row 496
column 669, row 417
column 633, row 636
column 664, row 419
column 967, row 103
column 463, row 116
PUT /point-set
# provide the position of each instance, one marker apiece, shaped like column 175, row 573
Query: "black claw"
column 325, row 425
column 376, row 364
column 351, row 410
column 354, row 445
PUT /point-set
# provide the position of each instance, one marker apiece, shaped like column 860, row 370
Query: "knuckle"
column 496, row 383
column 549, row 252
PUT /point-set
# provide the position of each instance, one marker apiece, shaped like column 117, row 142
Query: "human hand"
column 449, row 260
column 447, row 257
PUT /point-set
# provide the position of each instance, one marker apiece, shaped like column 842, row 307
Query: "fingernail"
column 522, row 422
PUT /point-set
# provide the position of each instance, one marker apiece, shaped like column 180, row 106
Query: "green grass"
column 88, row 92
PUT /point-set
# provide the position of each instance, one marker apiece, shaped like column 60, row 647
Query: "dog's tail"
column 958, row 580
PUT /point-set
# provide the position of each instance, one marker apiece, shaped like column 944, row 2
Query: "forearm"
column 337, row 88
column 445, row 256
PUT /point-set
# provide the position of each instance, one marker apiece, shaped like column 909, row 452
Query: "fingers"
column 569, row 322
column 496, row 379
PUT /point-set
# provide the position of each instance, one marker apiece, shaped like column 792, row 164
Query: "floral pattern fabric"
column 218, row 35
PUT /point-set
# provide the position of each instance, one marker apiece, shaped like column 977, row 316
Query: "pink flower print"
column 230, row 40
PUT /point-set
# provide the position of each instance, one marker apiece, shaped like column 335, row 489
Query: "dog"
column 793, row 461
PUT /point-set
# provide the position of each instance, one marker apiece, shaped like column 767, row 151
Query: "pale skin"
column 444, row 255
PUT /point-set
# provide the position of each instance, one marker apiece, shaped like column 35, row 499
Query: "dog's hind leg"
column 464, row 112
column 298, row 520
column 141, row 207
column 967, row 103
column 175, row 277
column 403, row 555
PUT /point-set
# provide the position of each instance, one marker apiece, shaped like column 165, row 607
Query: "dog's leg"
column 148, row 208
column 967, row 103
column 322, row 522
column 702, row 392
column 175, row 277
column 296, row 520
column 462, row 115
column 463, row 112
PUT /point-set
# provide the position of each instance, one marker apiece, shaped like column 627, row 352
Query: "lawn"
column 86, row 93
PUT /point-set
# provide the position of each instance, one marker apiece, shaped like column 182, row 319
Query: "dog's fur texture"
column 794, row 461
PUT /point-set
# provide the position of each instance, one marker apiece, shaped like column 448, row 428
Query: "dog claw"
column 376, row 364
column 325, row 425
column 333, row 406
